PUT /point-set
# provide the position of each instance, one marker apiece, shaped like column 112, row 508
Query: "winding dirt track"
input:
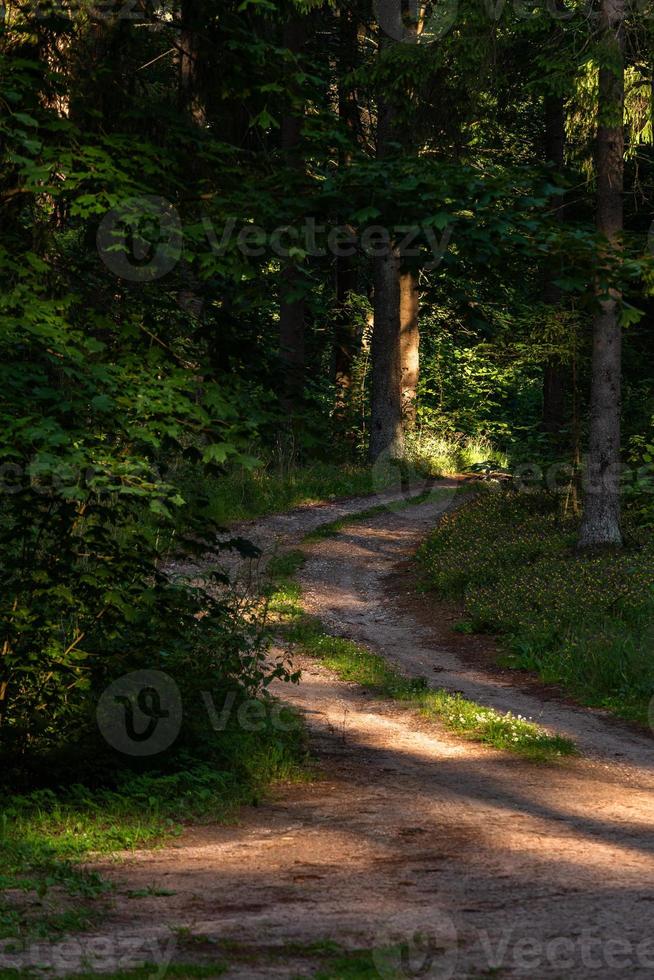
column 484, row 865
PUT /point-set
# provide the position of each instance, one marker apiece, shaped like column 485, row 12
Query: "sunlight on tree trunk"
column 409, row 346
column 601, row 519
column 386, row 434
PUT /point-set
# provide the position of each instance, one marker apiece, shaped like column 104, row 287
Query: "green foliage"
column 102, row 385
column 640, row 491
column 582, row 621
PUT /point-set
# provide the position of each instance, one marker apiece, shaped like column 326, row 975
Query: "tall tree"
column 292, row 307
column 409, row 291
column 395, row 360
column 192, row 20
column 601, row 519
column 386, row 430
column 345, row 328
column 554, row 375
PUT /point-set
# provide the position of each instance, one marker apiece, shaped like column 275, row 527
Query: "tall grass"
column 242, row 493
column 436, row 454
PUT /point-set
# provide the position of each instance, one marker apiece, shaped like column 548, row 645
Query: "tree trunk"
column 345, row 329
column 601, row 519
column 386, row 426
column 190, row 88
column 345, row 334
column 409, row 346
column 291, row 308
column 386, row 434
column 555, row 374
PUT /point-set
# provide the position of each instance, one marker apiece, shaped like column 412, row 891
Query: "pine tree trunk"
column 601, row 519
column 386, row 433
column 190, row 88
column 409, row 346
column 292, row 309
column 555, row 375
column 386, row 427
column 346, row 334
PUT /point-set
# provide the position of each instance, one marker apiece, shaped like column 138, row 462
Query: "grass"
column 243, row 494
column 585, row 622
column 355, row 965
column 435, row 454
column 353, row 662
column 45, row 835
column 327, row 960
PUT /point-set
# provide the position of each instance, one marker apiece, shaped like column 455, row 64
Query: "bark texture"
column 291, row 309
column 555, row 375
column 601, row 519
column 409, row 346
column 386, row 433
column 386, row 428
column 190, row 63
column 346, row 333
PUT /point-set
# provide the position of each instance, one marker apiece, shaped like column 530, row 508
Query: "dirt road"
column 479, row 863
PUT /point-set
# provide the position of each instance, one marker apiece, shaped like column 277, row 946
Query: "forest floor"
column 477, row 862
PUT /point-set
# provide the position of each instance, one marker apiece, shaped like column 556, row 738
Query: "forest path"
column 485, row 864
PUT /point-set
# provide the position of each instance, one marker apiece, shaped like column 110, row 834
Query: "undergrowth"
column 437, row 454
column 275, row 486
column 44, row 835
column 583, row 621
column 243, row 493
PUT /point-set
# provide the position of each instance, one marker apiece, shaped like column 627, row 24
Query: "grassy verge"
column 352, row 662
column 45, row 835
column 585, row 622
column 242, row 494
